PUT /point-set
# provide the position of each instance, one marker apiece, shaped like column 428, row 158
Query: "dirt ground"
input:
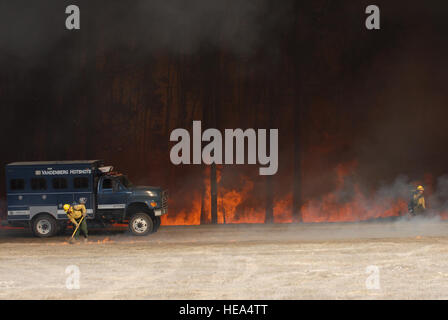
column 376, row 260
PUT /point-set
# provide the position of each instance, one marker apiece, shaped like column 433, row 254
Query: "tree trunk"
column 269, row 217
column 297, row 184
column 271, row 100
column 204, row 218
column 213, row 194
column 211, row 99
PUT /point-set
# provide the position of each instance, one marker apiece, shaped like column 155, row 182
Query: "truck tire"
column 157, row 222
column 44, row 226
column 141, row 224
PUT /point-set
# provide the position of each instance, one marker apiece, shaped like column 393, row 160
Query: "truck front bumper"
column 160, row 212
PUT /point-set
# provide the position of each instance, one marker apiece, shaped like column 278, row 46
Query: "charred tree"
column 204, row 219
column 297, row 184
column 211, row 97
column 213, row 194
column 308, row 24
column 269, row 217
column 269, row 107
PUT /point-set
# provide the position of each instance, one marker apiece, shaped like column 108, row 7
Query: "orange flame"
column 330, row 207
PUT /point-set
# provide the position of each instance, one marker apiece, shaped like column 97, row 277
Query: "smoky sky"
column 138, row 69
column 32, row 29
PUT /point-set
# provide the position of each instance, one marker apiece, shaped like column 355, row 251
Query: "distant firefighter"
column 417, row 202
column 77, row 214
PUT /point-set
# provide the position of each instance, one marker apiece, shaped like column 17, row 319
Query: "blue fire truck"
column 37, row 191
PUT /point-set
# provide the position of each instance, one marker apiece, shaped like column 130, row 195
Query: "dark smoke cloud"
column 33, row 28
column 30, row 28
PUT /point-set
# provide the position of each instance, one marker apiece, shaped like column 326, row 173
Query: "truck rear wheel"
column 44, row 226
column 141, row 224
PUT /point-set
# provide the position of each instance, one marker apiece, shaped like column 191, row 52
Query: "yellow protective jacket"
column 417, row 203
column 76, row 212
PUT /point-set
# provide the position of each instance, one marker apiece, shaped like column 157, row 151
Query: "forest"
column 360, row 113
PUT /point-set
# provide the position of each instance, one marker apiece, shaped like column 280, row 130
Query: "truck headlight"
column 151, row 194
column 153, row 204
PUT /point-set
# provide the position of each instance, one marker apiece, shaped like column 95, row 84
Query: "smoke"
column 33, row 29
column 389, row 115
column 438, row 200
column 399, row 189
column 354, row 200
column 29, row 29
column 185, row 26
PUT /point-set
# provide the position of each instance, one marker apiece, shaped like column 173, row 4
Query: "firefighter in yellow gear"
column 417, row 202
column 75, row 213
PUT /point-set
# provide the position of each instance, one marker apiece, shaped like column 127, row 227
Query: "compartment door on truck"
column 83, row 187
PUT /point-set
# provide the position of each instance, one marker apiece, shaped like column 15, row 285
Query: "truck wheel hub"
column 140, row 225
column 43, row 226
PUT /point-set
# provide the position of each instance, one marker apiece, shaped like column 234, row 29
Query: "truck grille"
column 165, row 199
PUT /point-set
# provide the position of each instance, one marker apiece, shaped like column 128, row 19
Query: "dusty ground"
column 326, row 261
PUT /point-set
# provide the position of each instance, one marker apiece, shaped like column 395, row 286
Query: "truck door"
column 112, row 196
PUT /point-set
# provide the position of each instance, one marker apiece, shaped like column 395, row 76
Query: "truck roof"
column 52, row 163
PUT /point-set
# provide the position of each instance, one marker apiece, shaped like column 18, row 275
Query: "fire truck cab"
column 37, row 191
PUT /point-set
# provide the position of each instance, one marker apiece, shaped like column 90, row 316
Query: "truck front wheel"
column 141, row 224
column 157, row 222
column 44, row 226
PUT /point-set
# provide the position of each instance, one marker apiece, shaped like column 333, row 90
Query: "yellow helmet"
column 66, row 207
column 420, row 188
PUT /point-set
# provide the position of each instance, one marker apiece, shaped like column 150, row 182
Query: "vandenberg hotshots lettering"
column 61, row 172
